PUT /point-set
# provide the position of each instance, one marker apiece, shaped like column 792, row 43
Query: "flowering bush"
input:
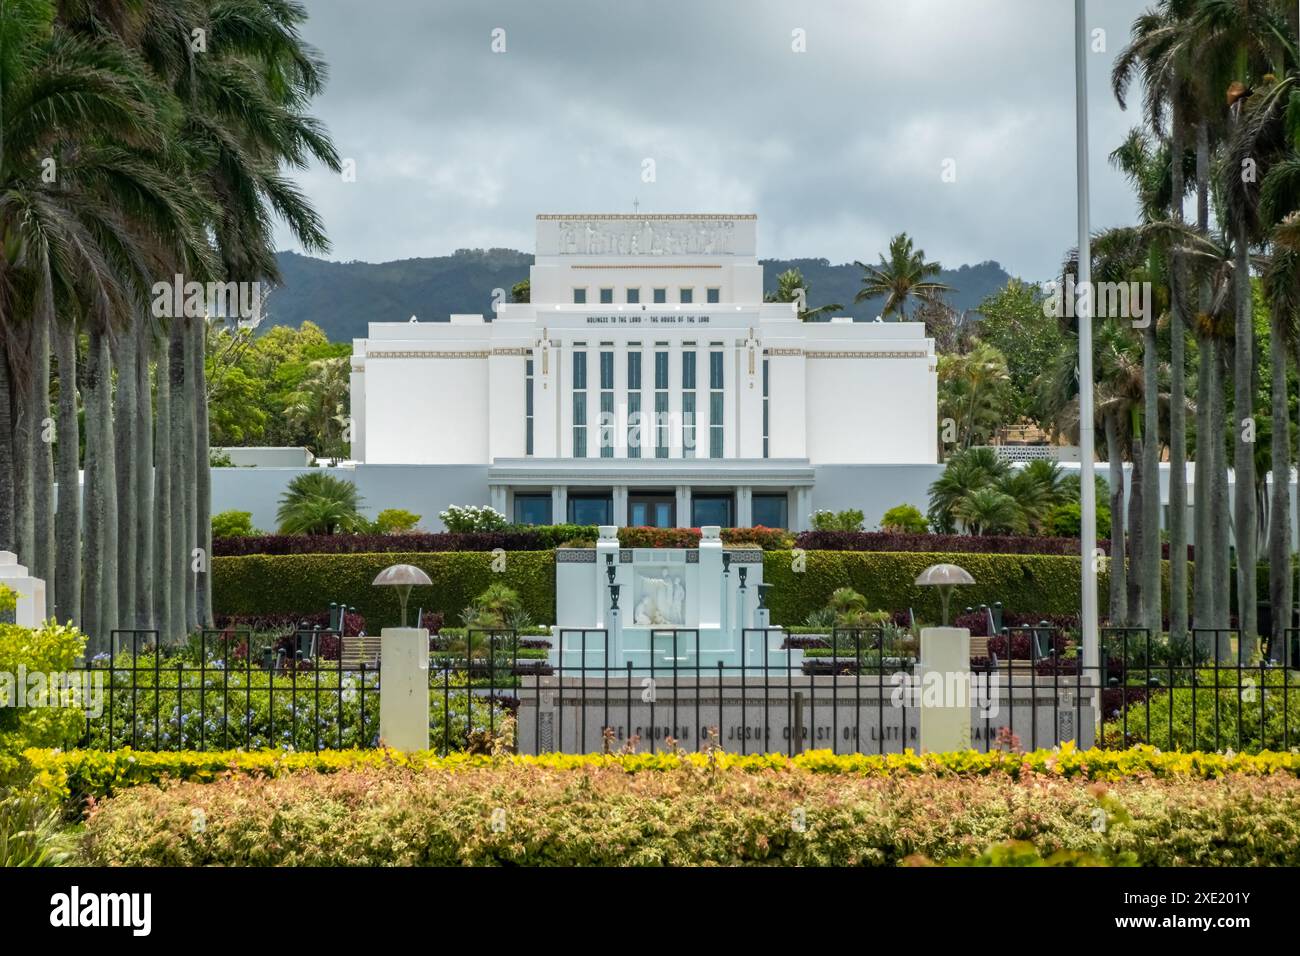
column 818, row 809
column 464, row 518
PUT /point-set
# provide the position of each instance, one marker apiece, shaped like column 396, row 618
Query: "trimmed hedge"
column 290, row 583
column 1032, row 584
column 72, row 777
column 704, row 810
column 1038, row 585
column 541, row 538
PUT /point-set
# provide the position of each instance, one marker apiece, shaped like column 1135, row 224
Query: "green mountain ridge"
column 342, row 297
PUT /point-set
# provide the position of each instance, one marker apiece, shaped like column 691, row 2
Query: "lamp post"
column 403, row 577
column 945, row 577
column 404, row 668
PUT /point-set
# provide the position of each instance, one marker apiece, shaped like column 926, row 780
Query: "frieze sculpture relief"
column 646, row 237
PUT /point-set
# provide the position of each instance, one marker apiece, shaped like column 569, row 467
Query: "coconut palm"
column 792, row 287
column 900, row 277
column 966, row 472
column 975, row 392
column 989, row 510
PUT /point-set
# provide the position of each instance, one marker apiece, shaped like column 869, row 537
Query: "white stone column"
column 802, row 518
column 404, row 688
column 943, row 681
column 29, row 591
column 559, row 504
column 683, row 506
column 606, row 555
column 744, row 507
column 711, row 597
column 619, row 493
column 498, row 496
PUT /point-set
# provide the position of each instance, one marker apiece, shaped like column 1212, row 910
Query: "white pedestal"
column 943, row 681
column 31, row 591
column 712, row 600
column 404, row 688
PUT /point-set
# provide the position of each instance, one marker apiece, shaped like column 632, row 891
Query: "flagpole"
column 1083, row 313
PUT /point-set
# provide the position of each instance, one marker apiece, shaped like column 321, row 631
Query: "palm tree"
column 975, row 392
column 988, row 510
column 791, row 287
column 319, row 405
column 902, row 276
column 966, row 472
column 319, row 503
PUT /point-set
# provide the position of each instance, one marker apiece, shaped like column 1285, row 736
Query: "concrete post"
column 404, row 688
column 711, row 596
column 944, row 688
column 30, row 591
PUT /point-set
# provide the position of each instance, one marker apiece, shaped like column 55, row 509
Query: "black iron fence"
column 851, row 691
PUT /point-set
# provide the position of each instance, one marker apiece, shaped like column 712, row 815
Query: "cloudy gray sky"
column 835, row 149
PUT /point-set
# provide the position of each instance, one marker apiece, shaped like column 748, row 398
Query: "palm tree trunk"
column 1137, row 612
column 1118, row 569
column 191, row 480
column 1219, row 503
column 106, row 497
column 7, row 540
column 1153, row 619
column 180, row 487
column 1177, row 411
column 1243, row 412
column 1203, row 582
column 164, row 563
column 43, row 460
column 92, row 549
column 1279, row 528
column 126, row 468
column 143, row 489
column 203, row 476
column 24, row 472
column 67, row 523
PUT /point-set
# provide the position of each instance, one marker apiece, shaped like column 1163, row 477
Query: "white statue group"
column 663, row 600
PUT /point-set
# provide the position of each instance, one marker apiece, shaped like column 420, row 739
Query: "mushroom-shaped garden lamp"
column 403, row 577
column 945, row 577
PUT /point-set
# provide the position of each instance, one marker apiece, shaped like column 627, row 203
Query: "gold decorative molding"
column 428, row 355
column 504, row 350
column 681, row 216
column 867, row 355
column 649, row 265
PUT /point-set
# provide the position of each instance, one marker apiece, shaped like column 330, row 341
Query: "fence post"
column 944, row 709
column 404, row 688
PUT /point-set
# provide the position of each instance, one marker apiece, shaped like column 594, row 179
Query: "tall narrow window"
column 634, row 431
column 579, row 404
column 767, row 419
column 688, row 404
column 715, row 404
column 661, row 404
column 528, row 407
column 686, row 296
column 606, row 404
column 713, row 296
column 579, row 296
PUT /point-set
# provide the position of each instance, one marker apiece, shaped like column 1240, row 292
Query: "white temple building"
column 646, row 383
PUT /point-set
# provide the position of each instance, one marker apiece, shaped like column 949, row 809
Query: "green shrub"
column 49, row 650
column 580, row 811
column 232, row 524
column 904, row 519
column 395, row 521
column 31, row 831
column 292, row 583
column 1066, row 520
column 1258, row 714
column 848, row 520
column 1030, row 583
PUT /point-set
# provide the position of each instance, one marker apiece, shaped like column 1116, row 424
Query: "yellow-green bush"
column 51, row 649
column 595, row 812
column 75, row 775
